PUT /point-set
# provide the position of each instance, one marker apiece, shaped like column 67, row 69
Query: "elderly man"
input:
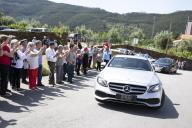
column 51, row 59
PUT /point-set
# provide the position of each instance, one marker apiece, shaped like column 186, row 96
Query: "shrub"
column 45, row 72
column 163, row 40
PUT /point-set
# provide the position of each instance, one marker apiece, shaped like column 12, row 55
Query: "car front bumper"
column 147, row 99
column 162, row 69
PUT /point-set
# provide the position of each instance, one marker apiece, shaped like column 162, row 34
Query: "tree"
column 6, row 20
column 19, row 25
column 116, row 34
column 85, row 33
column 163, row 40
column 61, row 29
column 185, row 45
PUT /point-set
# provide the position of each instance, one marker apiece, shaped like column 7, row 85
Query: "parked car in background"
column 130, row 79
column 38, row 30
column 10, row 30
column 147, row 56
column 125, row 51
column 3, row 27
column 151, row 59
column 166, row 65
column 76, row 37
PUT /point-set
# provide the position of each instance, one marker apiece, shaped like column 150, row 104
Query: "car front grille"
column 133, row 89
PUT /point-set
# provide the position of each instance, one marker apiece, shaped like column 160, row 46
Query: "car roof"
column 129, row 56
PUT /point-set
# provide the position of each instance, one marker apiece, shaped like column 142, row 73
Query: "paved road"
column 73, row 106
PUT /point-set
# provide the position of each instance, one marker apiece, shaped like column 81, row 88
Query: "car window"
column 130, row 63
column 164, row 60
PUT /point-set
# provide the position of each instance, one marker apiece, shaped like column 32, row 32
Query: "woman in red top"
column 4, row 64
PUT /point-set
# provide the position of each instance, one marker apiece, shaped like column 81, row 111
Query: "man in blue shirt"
column 39, row 78
column 106, row 55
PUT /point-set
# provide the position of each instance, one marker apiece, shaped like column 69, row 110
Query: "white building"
column 188, row 30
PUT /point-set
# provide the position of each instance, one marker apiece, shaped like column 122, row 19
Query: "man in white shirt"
column 51, row 59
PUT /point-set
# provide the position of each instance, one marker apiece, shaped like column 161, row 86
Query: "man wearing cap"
column 51, row 58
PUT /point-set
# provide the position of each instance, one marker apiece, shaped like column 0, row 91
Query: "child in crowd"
column 17, row 65
column 99, row 60
column 79, row 61
column 85, row 60
column 106, row 55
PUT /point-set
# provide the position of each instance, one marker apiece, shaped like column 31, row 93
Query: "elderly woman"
column 32, row 59
column 59, row 65
column 5, row 62
column 17, row 64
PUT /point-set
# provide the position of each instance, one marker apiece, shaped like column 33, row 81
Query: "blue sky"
column 124, row 6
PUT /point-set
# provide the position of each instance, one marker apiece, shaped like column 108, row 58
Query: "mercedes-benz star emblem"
column 127, row 89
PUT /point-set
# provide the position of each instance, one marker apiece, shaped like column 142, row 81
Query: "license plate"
column 124, row 97
column 158, row 68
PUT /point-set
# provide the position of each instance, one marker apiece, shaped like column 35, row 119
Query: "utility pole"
column 170, row 27
column 153, row 29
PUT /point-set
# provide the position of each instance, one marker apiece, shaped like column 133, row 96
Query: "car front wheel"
column 162, row 102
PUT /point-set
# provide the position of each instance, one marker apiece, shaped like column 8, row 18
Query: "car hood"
column 130, row 76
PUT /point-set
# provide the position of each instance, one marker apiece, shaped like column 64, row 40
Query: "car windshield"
column 164, row 60
column 130, row 63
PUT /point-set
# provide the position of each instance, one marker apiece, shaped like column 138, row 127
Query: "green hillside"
column 94, row 18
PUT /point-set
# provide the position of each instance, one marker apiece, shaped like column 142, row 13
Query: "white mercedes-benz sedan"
column 130, row 79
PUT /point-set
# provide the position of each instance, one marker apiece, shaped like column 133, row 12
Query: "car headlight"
column 154, row 88
column 102, row 82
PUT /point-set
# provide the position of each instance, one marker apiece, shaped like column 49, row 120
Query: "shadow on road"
column 7, row 107
column 168, row 111
column 32, row 98
column 80, row 82
column 29, row 98
column 5, row 123
column 22, row 101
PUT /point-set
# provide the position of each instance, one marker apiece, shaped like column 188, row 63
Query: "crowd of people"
column 22, row 58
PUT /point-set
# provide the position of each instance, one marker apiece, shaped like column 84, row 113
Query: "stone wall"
column 156, row 55
column 39, row 35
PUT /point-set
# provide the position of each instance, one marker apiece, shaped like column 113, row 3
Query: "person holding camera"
column 17, row 64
